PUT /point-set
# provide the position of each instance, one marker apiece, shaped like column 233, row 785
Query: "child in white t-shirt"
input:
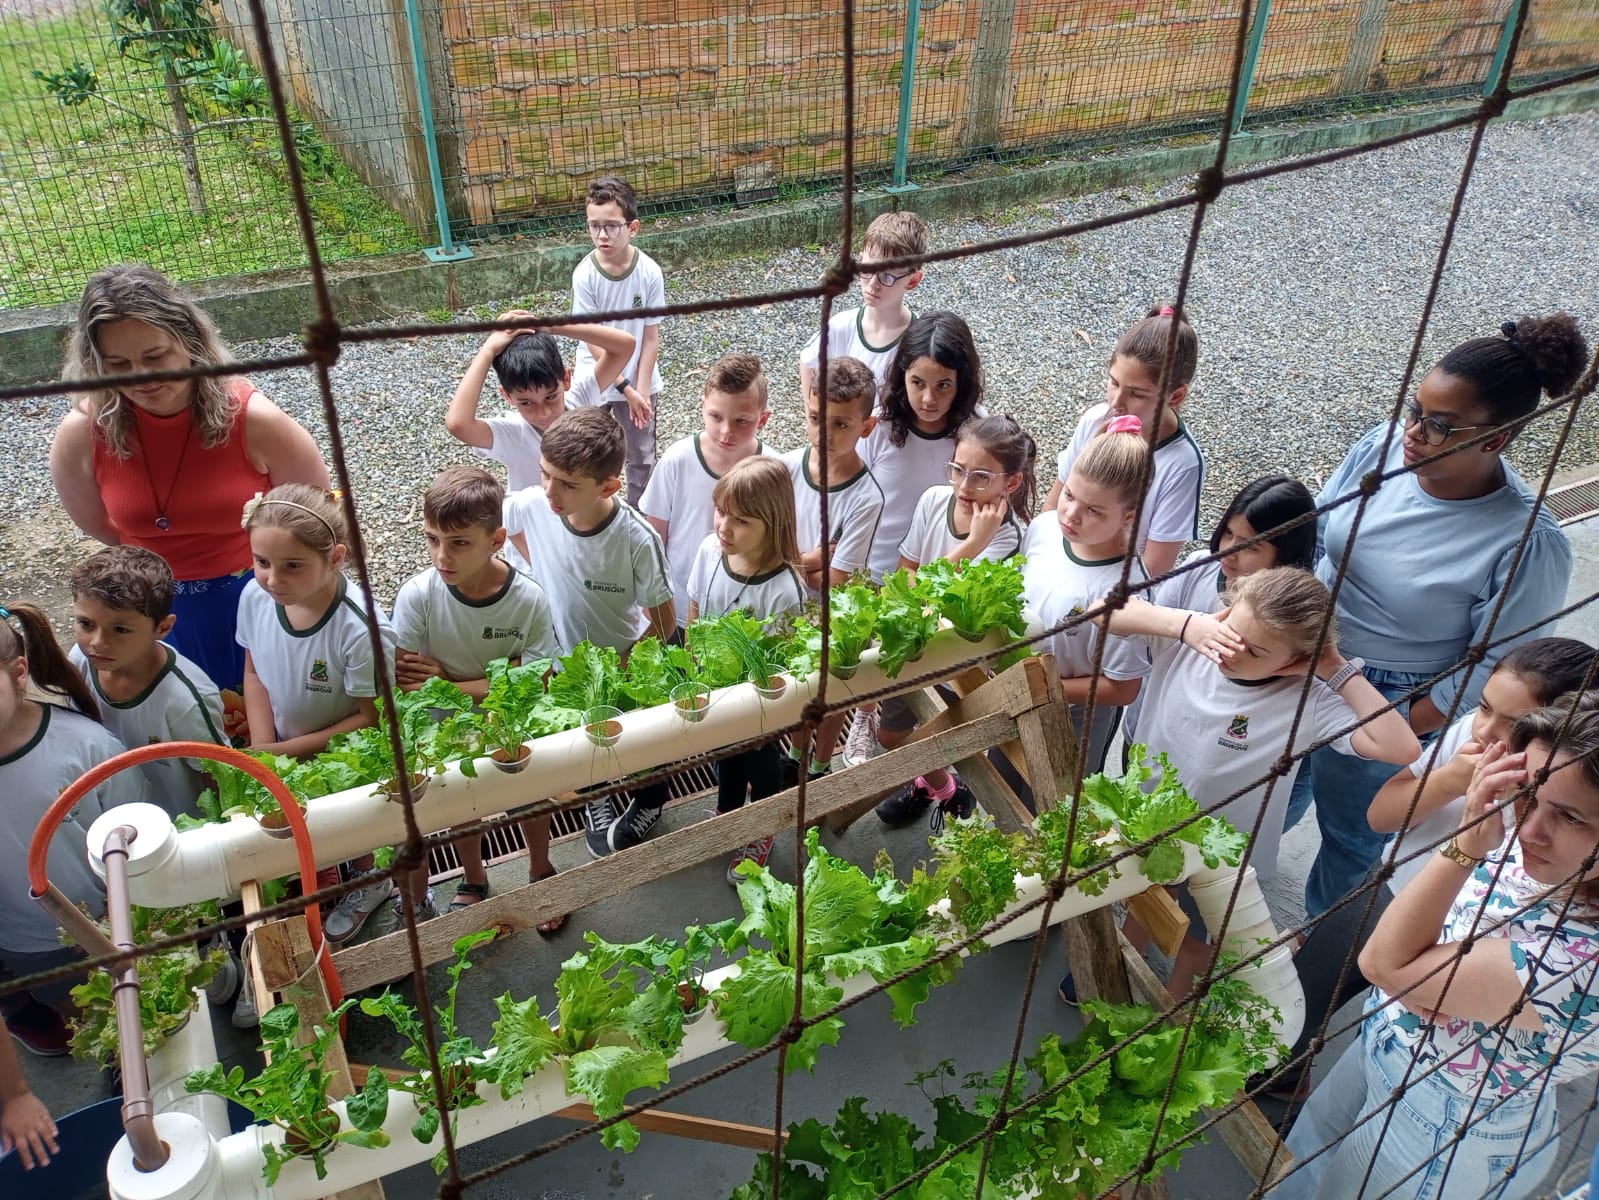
column 618, row 277
column 981, row 515
column 466, row 610
column 309, row 668
column 870, row 334
column 678, row 501
column 1171, row 510
column 43, row 749
column 538, row 387
column 147, row 691
column 604, row 573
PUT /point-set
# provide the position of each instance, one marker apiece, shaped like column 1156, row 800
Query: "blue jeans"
column 1416, row 1142
column 1344, row 786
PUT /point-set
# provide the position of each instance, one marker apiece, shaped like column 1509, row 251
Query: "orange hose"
column 39, row 849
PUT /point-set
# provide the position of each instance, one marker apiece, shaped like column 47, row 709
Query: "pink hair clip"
column 1127, row 423
column 1167, row 310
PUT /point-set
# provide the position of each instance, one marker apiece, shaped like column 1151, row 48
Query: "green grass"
column 84, row 187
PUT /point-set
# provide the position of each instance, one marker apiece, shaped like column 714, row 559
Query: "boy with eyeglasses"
column 615, row 277
column 538, row 387
column 871, row 333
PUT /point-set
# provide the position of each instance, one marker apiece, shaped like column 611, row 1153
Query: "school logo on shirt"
column 1237, row 735
column 600, row 585
column 495, row 632
column 318, row 680
column 638, row 300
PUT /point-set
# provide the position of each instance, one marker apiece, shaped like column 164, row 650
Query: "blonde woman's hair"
column 307, row 512
column 1289, row 601
column 760, row 488
column 1118, row 461
column 141, row 293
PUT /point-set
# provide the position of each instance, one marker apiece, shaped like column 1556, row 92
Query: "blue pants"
column 208, row 617
column 1343, row 786
column 1416, row 1142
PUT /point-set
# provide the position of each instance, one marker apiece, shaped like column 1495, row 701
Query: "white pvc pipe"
column 192, row 1169
column 239, row 1155
column 1271, row 976
column 191, row 1048
column 166, row 867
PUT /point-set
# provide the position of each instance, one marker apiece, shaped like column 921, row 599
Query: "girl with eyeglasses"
column 934, row 386
column 1430, row 566
column 980, row 513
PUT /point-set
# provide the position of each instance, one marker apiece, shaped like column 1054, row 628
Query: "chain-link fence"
column 138, row 132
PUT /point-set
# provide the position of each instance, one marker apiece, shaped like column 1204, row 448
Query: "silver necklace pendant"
column 163, row 524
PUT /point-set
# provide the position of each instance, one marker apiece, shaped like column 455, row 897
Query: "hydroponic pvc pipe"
column 1270, row 975
column 191, row 1048
column 167, row 867
column 236, row 1160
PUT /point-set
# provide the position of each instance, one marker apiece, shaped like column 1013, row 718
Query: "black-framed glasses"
column 1435, row 431
column 889, row 278
column 608, row 228
column 980, row 481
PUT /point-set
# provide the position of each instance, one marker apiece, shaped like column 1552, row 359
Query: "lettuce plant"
column 906, row 622
column 976, row 597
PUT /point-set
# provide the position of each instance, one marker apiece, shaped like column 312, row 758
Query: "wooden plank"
column 1093, row 952
column 1248, row 1134
column 699, row 1129
column 1162, row 918
column 387, row 958
column 980, row 775
column 250, row 899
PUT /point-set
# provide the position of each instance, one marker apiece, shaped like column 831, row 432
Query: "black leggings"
column 759, row 770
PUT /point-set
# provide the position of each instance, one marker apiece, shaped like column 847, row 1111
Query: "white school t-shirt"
column 679, row 493
column 1223, row 735
column 1171, row 512
column 642, row 286
column 932, row 531
column 181, row 704
column 904, row 473
column 1198, row 590
column 718, row 591
column 854, row 512
column 313, row 676
column 1441, row 825
column 432, row 617
column 598, row 582
column 31, row 777
column 846, row 340
column 518, row 443
column 1059, row 585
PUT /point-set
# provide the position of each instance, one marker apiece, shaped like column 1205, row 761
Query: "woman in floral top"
column 1446, row 1022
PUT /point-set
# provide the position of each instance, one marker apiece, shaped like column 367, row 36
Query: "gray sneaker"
column 424, row 911
column 245, row 1015
column 355, row 909
column 862, row 743
column 226, row 981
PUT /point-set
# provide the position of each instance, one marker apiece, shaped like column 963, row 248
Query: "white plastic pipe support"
column 190, row 1172
column 1272, row 975
column 191, row 1048
column 166, row 867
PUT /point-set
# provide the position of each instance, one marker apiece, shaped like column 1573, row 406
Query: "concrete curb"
column 365, row 291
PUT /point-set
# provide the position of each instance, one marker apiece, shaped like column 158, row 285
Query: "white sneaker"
column 862, row 743
column 355, row 909
column 226, row 981
column 245, row 1015
column 424, row 911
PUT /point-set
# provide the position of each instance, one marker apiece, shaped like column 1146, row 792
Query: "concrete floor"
column 971, row 1022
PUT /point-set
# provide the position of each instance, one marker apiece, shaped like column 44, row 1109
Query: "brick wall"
column 685, row 96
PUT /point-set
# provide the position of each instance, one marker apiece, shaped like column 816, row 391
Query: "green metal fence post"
column 907, row 84
column 448, row 250
column 1502, row 51
column 1257, row 36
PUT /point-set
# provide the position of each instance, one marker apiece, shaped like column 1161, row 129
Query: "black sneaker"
column 961, row 805
column 601, row 816
column 904, row 806
column 39, row 1029
column 791, row 767
column 634, row 825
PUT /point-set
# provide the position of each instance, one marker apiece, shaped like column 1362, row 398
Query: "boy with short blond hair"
column 535, row 383
column 734, row 410
column 615, row 277
column 148, row 692
column 871, row 333
column 604, row 570
column 453, row 619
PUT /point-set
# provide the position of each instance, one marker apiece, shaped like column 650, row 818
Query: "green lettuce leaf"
column 757, row 1003
column 606, row 1074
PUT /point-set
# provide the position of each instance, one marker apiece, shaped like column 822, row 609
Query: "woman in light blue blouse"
column 1432, row 559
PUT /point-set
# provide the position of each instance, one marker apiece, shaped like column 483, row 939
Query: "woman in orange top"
column 168, row 466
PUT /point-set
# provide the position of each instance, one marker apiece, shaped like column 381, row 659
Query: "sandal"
column 468, row 894
column 555, row 924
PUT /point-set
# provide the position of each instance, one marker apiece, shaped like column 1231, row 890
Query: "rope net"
column 325, row 336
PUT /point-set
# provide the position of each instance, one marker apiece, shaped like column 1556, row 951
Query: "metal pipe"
column 1502, row 51
column 138, row 1112
column 907, row 85
column 76, row 922
column 446, row 250
column 1246, row 78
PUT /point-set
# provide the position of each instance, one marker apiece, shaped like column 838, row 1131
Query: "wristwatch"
column 1345, row 673
column 1455, row 854
column 621, row 388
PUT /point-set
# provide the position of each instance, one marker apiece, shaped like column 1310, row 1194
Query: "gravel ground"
column 1305, row 293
